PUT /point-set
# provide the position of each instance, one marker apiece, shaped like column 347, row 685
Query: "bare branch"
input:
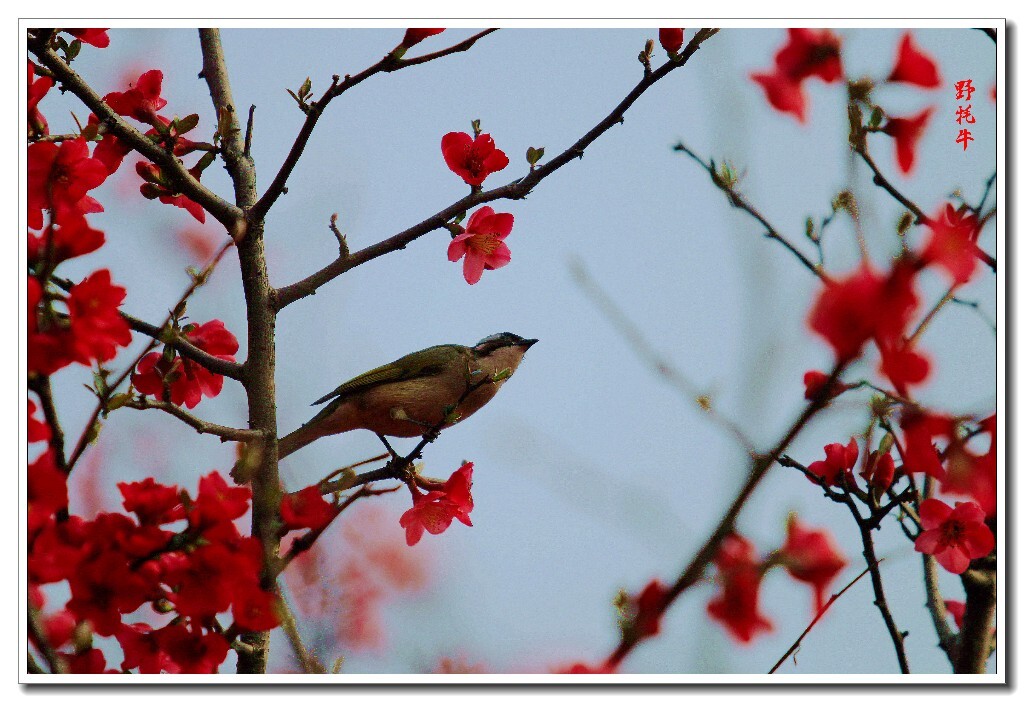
column 201, row 426
column 229, row 369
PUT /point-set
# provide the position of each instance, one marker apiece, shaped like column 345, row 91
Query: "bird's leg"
column 394, row 454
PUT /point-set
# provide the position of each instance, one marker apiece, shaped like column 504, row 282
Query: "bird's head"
column 500, row 351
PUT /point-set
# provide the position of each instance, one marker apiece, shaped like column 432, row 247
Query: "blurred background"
column 592, row 472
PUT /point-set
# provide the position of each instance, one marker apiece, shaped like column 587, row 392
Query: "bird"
column 417, row 394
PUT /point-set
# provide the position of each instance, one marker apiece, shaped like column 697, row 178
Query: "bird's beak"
column 527, row 343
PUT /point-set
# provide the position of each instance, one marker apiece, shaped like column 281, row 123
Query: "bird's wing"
column 406, row 368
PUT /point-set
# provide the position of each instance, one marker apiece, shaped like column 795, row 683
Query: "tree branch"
column 201, row 426
column 41, row 386
column 737, row 200
column 976, row 634
column 516, row 190
column 223, row 211
column 388, row 64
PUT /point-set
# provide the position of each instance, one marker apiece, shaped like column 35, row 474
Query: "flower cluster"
column 169, row 376
column 115, row 564
column 809, row 555
column 808, row 53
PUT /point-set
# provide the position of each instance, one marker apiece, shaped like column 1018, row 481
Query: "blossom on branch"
column 838, row 464
column 906, row 132
column 37, row 88
column 482, row 243
column 180, row 380
column 951, row 244
column 307, row 509
column 96, row 37
column 434, row 511
column 671, row 40
column 415, row 35
column 472, row 159
column 739, row 575
column 142, row 100
column 954, row 535
column 67, row 236
column 38, row 430
column 808, row 53
column 811, row 556
column 914, row 66
column 59, row 178
column 97, row 327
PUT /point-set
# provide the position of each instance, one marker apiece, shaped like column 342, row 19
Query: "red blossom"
column 38, row 430
column 47, row 491
column 671, row 40
column 879, row 471
column 864, row 305
column 839, row 462
column 472, row 159
column 59, row 176
column 217, row 502
column 191, row 650
column 87, row 662
column 141, row 101
column 954, row 535
column 811, row 52
column 254, row 610
column 970, row 474
column 307, row 509
column 648, row 608
column 111, row 150
column 415, row 35
column 914, row 66
column 951, row 244
column 96, row 37
column 142, row 651
column 903, row 365
column 104, row 587
column 151, row 502
column 783, row 93
column 37, row 88
column 96, row 324
column 434, row 511
column 957, row 609
column 739, row 575
column 67, row 236
column 919, row 429
column 185, row 381
column 158, row 187
column 906, row 133
column 48, row 345
column 482, row 243
column 815, row 381
column 811, row 556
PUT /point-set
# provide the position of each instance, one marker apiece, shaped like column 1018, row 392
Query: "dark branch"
column 201, row 426
column 220, row 366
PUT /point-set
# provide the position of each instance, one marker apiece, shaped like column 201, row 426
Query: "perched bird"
column 416, row 393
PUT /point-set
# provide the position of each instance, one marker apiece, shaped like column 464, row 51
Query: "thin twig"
column 648, row 355
column 37, row 633
column 387, row 64
column 516, row 190
column 308, row 661
column 201, row 426
column 821, row 612
column 884, row 183
column 737, row 200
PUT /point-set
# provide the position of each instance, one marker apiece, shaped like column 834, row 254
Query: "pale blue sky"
column 591, row 473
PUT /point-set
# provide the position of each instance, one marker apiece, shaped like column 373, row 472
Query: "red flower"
column 254, row 610
column 434, row 511
column 415, row 35
column 48, row 347
column 839, row 461
column 914, row 66
column 783, row 93
column 59, row 178
column 185, row 381
column 647, row 609
column 903, row 365
column 482, row 243
column 472, row 159
column 907, row 132
column 671, row 40
column 110, row 150
column 739, row 574
column 87, row 662
column 957, row 609
column 954, row 535
column 157, row 186
column 217, row 502
column 880, row 471
column 96, row 37
column 951, row 244
column 970, row 474
column 97, row 326
column 920, row 455
column 151, row 502
column 191, row 650
column 103, row 587
column 851, row 311
column 140, row 101
column 811, row 53
column 37, row 430
column 811, row 556
column 141, row 646
column 69, row 236
column 37, row 88
column 808, row 53
column 814, row 383
column 47, row 491
column 307, row 509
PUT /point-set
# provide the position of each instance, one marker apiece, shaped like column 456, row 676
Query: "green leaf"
column 307, row 85
column 186, row 124
column 74, row 49
column 876, row 117
column 207, row 159
column 118, row 401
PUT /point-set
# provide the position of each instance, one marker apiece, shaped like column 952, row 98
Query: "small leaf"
column 74, row 49
column 118, row 401
column 307, row 85
column 186, row 124
column 207, row 159
column 876, row 117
